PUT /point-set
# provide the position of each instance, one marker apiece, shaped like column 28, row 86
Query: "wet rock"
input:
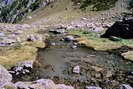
column 113, row 38
column 93, row 87
column 122, row 29
column 5, row 76
column 63, row 86
column 58, row 31
column 73, row 46
column 130, row 73
column 69, row 38
column 125, row 86
column 76, row 69
column 22, row 68
column 34, row 38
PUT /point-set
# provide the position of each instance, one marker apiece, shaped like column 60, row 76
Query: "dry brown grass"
column 12, row 56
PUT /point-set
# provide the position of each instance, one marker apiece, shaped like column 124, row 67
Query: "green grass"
column 91, row 39
column 97, row 5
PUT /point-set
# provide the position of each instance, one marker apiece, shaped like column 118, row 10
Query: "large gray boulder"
column 5, row 76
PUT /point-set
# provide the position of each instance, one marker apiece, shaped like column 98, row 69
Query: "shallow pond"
column 59, row 59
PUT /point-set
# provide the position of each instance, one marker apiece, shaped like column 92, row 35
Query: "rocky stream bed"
column 65, row 61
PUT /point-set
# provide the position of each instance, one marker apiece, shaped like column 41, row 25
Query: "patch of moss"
column 92, row 40
column 9, row 87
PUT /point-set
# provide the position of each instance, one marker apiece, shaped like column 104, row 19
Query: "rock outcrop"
column 5, row 76
column 122, row 29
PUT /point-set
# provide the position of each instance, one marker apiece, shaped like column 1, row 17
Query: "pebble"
column 76, row 69
column 73, row 46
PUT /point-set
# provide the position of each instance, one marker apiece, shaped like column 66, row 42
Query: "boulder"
column 122, row 29
column 5, row 76
column 22, row 68
column 125, row 86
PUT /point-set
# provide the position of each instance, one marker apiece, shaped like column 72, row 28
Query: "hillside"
column 63, row 11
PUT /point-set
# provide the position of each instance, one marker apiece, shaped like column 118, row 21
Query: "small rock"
column 53, row 44
column 48, row 84
column 113, row 38
column 93, row 87
column 57, row 31
column 73, row 46
column 29, row 17
column 34, row 38
column 76, row 69
column 125, row 86
column 69, row 38
column 62, row 86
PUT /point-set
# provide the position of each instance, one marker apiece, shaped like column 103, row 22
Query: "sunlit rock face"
column 12, row 11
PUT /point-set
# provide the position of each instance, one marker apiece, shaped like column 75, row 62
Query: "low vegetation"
column 17, row 10
column 96, row 5
column 92, row 40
